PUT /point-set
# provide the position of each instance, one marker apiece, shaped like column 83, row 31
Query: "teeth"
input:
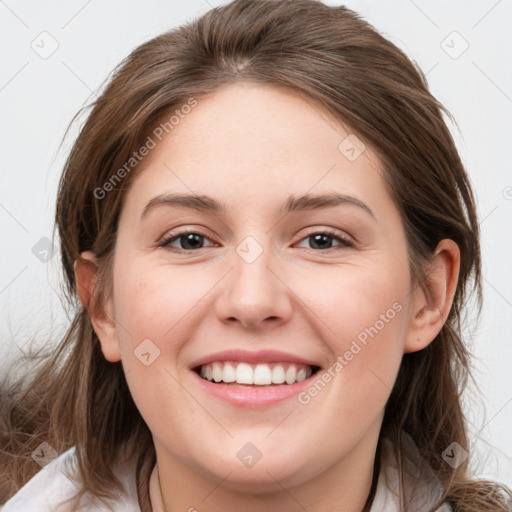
column 229, row 373
column 244, row 374
column 258, row 375
column 217, row 372
column 291, row 374
column 301, row 375
column 262, row 375
column 278, row 375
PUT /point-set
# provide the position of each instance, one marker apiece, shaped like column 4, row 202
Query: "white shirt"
column 46, row 491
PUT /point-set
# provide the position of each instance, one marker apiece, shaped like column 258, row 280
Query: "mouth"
column 248, row 379
column 237, row 373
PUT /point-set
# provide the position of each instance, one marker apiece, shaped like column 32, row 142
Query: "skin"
column 251, row 146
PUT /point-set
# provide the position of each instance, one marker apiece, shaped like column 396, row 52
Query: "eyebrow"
column 294, row 203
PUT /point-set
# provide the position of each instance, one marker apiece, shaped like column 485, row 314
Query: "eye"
column 320, row 240
column 188, row 240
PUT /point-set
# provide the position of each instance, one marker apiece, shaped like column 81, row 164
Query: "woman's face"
column 260, row 290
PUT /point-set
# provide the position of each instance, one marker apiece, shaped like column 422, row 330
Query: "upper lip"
column 244, row 356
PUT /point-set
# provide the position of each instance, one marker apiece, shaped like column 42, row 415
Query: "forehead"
column 240, row 120
column 248, row 142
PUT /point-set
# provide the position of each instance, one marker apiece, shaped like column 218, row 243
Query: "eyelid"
column 174, row 235
column 346, row 241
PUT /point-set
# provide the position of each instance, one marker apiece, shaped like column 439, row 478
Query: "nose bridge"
column 253, row 293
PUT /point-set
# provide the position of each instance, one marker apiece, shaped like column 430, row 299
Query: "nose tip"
column 253, row 295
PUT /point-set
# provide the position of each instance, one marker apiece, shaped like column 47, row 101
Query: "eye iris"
column 318, row 238
column 192, row 240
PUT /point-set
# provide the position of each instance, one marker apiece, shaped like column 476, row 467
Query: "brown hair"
column 328, row 55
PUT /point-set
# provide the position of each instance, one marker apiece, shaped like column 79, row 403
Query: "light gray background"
column 39, row 96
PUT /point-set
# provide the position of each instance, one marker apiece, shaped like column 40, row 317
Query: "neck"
column 345, row 486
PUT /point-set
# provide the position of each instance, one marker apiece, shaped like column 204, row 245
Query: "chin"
column 268, row 474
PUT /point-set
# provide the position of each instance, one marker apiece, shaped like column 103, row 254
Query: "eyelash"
column 171, row 237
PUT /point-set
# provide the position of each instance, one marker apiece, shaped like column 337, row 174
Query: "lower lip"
column 253, row 396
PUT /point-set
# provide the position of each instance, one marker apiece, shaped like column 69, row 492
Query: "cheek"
column 358, row 305
column 372, row 321
column 155, row 311
column 153, row 303
column 365, row 324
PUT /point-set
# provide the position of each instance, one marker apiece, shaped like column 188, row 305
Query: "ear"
column 101, row 315
column 431, row 307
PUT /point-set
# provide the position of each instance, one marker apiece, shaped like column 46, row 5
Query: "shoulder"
column 53, row 490
column 421, row 489
column 46, row 489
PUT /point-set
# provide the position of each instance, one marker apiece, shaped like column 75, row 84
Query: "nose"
column 254, row 294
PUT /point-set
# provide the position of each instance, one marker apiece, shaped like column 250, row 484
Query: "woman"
column 308, row 356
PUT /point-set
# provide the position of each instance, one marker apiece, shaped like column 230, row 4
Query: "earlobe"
column 100, row 314
column 431, row 307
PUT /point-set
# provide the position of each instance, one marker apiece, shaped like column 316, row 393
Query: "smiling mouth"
column 238, row 373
